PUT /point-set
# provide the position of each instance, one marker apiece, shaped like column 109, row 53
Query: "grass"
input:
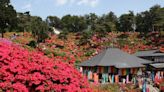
column 106, row 88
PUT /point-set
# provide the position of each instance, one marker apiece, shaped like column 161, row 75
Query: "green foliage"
column 123, row 42
column 162, row 84
column 77, row 62
column 89, row 53
column 7, row 16
column 54, row 21
column 110, row 87
column 24, row 21
column 91, row 20
column 73, row 23
column 126, row 22
column 47, row 52
column 151, row 20
column 123, row 36
column 63, row 35
column 29, row 48
column 39, row 29
column 85, row 38
column 62, row 54
column 107, row 44
column 147, row 21
column 109, row 21
column 102, row 25
column 32, row 44
column 102, row 30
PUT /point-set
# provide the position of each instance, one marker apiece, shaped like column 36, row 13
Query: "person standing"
column 144, row 86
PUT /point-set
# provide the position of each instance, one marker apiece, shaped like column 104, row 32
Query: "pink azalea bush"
column 24, row 71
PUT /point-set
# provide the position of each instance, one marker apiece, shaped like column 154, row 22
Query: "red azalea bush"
column 24, row 71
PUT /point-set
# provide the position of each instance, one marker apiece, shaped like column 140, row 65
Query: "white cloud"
column 61, row 2
column 72, row 1
column 27, row 7
column 92, row 3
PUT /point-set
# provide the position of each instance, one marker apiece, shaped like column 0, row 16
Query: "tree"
column 85, row 38
column 109, row 21
column 127, row 22
column 7, row 16
column 54, row 21
column 112, row 19
column 39, row 29
column 102, row 29
column 73, row 23
column 24, row 21
column 157, row 17
column 91, row 20
column 105, row 24
column 151, row 20
column 143, row 22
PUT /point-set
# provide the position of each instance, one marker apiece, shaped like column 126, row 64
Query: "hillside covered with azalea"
column 77, row 38
column 41, row 55
column 72, row 52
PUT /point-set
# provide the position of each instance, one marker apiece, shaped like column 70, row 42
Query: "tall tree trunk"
column 2, row 33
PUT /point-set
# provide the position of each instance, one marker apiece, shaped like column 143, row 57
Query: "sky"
column 44, row 8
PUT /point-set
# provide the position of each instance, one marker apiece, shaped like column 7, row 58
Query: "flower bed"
column 24, row 71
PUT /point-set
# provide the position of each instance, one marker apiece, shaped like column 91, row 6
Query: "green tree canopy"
column 54, row 21
column 24, row 21
column 73, row 23
column 127, row 22
column 152, row 20
column 8, row 16
column 39, row 29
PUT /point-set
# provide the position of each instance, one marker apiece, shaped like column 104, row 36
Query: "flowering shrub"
column 69, row 48
column 24, row 71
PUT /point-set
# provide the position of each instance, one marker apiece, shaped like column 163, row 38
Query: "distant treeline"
column 147, row 21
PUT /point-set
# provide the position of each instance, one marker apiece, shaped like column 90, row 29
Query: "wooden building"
column 113, row 65
column 156, row 56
